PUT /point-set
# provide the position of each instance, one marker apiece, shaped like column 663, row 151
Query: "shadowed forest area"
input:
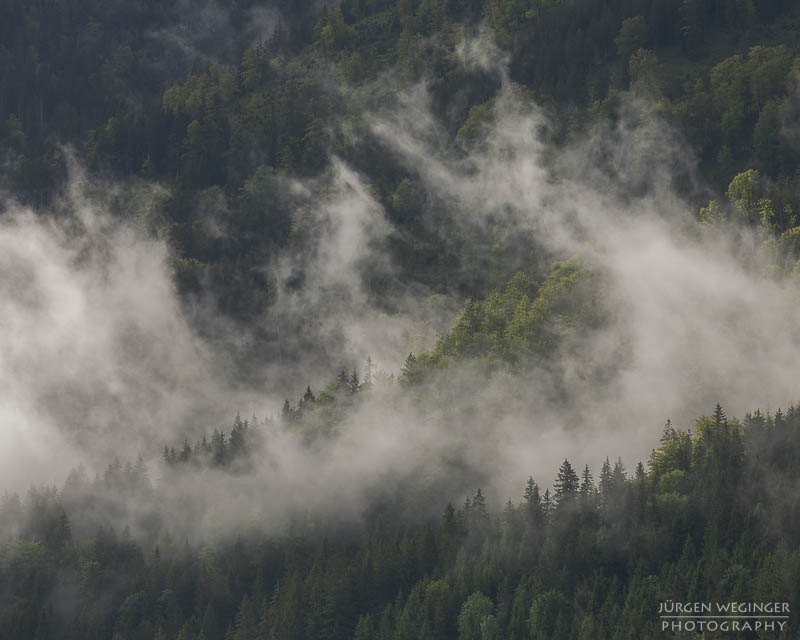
column 216, row 104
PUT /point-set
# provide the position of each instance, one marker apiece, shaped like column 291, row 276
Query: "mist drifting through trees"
column 364, row 319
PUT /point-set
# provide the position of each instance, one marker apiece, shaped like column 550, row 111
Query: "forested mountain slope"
column 710, row 518
column 214, row 100
column 439, row 244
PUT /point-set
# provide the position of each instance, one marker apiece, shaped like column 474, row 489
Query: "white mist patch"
column 344, row 234
column 202, row 32
column 704, row 329
column 698, row 322
column 94, row 352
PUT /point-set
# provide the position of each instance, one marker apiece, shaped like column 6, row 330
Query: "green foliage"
column 549, row 615
column 480, row 116
column 713, row 214
column 472, row 618
column 523, row 323
column 507, row 17
column 407, row 201
column 743, row 193
column 706, row 521
column 674, row 454
column 231, row 451
column 92, row 74
column 566, row 485
column 632, row 36
column 642, row 67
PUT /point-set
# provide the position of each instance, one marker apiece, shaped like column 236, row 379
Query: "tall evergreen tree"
column 719, row 415
column 567, row 484
column 587, row 483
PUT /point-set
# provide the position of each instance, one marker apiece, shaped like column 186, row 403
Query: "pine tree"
column 477, row 516
column 246, row 626
column 567, row 483
column 719, row 416
column 410, row 373
column 533, row 502
column 237, row 442
column 531, row 489
column 669, row 432
column 449, row 522
column 587, row 483
column 186, row 451
column 354, row 384
column 363, row 628
column 605, row 478
column 288, row 413
column 547, row 505
column 619, row 476
column 479, row 502
column 510, row 515
column 219, row 448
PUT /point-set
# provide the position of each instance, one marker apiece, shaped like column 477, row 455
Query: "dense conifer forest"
column 210, row 206
column 223, row 112
column 712, row 516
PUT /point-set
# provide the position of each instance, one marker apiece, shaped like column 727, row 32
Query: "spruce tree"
column 587, row 483
column 719, row 416
column 567, row 483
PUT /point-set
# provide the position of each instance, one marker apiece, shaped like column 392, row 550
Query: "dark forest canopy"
column 711, row 517
column 216, row 99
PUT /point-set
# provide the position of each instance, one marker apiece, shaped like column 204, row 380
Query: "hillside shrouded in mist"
column 424, row 262
column 668, row 314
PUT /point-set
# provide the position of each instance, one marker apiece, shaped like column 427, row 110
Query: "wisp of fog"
column 98, row 357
